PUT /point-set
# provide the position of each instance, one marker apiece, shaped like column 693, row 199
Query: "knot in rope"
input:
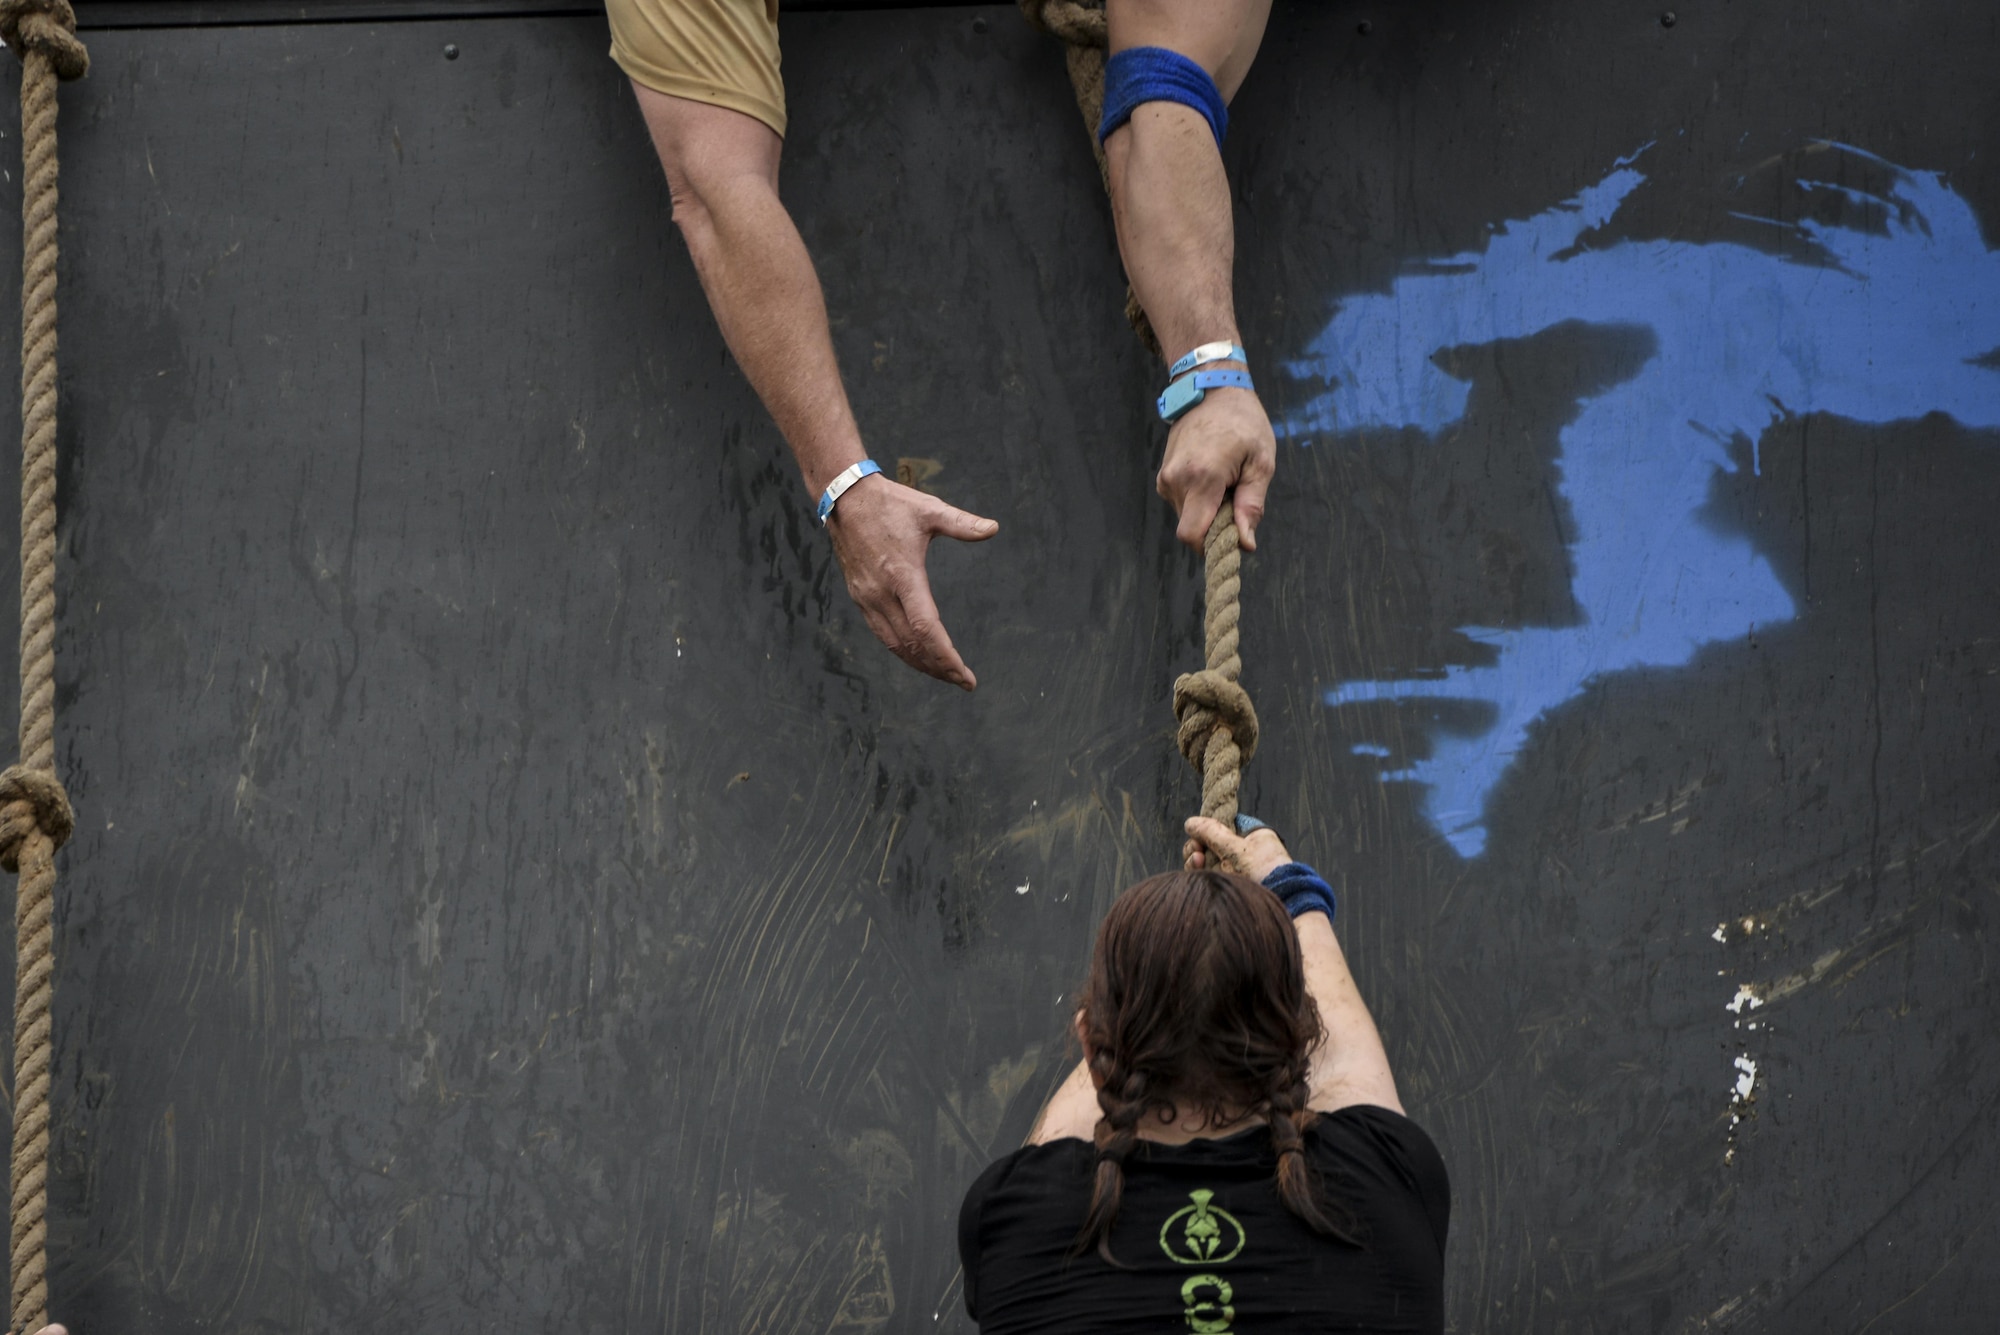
column 1205, row 701
column 31, row 799
column 47, row 26
column 35, row 814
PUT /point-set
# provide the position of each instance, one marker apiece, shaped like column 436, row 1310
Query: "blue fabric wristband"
column 1302, row 889
column 1154, row 74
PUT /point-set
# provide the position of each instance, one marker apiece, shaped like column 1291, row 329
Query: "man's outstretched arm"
column 1176, row 232
column 722, row 168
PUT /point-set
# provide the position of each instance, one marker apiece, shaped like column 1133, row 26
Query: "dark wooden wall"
column 514, row 893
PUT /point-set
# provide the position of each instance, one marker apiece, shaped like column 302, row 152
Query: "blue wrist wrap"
column 1301, row 889
column 1154, row 74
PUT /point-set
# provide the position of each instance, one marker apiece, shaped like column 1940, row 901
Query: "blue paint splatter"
column 1891, row 324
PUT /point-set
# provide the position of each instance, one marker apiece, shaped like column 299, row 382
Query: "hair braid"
column 1122, row 1097
column 1289, row 1116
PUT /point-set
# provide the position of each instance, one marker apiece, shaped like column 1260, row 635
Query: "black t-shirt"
column 1211, row 1246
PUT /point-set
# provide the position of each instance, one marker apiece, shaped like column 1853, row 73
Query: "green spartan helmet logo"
column 1209, row 1235
column 1203, row 1234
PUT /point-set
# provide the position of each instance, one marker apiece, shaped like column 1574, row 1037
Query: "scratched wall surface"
column 514, row 893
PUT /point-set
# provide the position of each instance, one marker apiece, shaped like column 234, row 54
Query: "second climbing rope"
column 35, row 817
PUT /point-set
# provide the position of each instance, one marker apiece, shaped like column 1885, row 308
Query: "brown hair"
column 1196, row 1002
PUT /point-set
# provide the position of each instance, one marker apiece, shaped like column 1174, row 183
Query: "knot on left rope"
column 1078, row 22
column 35, row 816
column 47, row 26
column 1207, row 700
column 30, row 800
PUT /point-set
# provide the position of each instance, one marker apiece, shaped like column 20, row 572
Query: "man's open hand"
column 1222, row 442
column 881, row 531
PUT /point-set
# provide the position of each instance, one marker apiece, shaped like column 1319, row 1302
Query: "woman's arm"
column 1349, row 1066
column 1072, row 1112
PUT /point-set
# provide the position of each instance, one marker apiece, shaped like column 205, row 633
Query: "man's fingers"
column 1250, row 509
column 878, row 622
column 881, row 536
column 1198, row 509
column 1224, row 442
column 925, row 646
column 952, row 522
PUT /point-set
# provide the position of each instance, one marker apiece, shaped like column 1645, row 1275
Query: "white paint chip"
column 1745, row 996
column 1021, row 889
column 1746, row 1083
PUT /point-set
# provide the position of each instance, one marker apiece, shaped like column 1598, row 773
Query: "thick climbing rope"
column 1218, row 725
column 1080, row 24
column 35, row 817
column 1218, row 733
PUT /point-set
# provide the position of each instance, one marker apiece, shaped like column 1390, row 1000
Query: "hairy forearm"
column 722, row 169
column 1170, row 201
column 767, row 300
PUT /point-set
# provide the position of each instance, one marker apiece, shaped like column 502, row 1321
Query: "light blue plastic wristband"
column 837, row 488
column 1206, row 353
column 1191, row 389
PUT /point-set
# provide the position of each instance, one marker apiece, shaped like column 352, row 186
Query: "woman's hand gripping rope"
column 1211, row 844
